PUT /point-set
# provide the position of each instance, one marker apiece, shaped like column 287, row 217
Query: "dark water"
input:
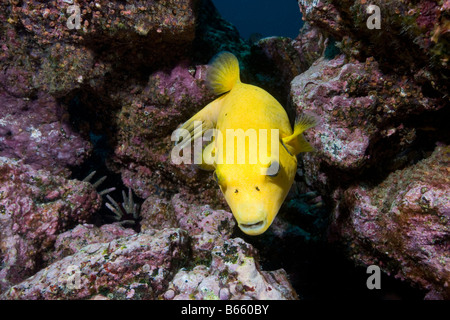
column 263, row 17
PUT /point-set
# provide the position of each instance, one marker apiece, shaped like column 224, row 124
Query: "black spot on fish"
column 236, row 191
column 257, row 189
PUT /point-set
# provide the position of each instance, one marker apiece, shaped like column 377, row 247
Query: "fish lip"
column 252, row 226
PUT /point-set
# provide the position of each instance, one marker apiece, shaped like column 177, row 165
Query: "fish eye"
column 236, row 191
column 257, row 189
column 273, row 174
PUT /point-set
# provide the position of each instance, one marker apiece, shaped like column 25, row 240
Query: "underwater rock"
column 35, row 206
column 178, row 241
column 411, row 37
column 157, row 213
column 17, row 82
column 290, row 57
column 71, row 45
column 381, row 111
column 233, row 274
column 282, row 53
column 49, row 22
column 133, row 267
column 39, row 133
column 310, row 44
column 220, row 267
column 402, row 224
column 205, row 226
column 71, row 241
column 368, row 120
column 145, row 126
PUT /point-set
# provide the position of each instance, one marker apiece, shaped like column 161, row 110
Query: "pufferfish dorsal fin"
column 296, row 142
column 223, row 72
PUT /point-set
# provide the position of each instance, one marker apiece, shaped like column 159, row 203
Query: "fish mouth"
column 252, row 228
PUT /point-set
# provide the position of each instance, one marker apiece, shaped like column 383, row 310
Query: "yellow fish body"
column 254, row 189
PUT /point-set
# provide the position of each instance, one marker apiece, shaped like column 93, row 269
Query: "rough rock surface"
column 73, row 240
column 402, row 224
column 39, row 133
column 182, row 252
column 133, row 267
column 220, row 267
column 35, row 207
column 63, row 57
column 367, row 120
column 232, row 275
column 380, row 112
column 420, row 26
column 145, row 126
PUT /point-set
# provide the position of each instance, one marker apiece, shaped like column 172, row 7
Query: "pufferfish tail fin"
column 223, row 72
column 296, row 142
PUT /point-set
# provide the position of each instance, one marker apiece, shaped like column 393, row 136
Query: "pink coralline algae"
column 182, row 252
column 402, row 224
column 55, row 20
column 232, row 275
column 38, row 132
column 71, row 241
column 379, row 112
column 145, row 126
column 133, row 267
column 35, row 207
column 205, row 225
column 58, row 55
column 359, row 110
column 413, row 35
column 221, row 267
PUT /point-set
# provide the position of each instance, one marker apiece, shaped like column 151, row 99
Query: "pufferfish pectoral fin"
column 196, row 130
column 201, row 122
column 296, row 142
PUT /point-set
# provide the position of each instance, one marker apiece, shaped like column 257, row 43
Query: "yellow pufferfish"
column 254, row 194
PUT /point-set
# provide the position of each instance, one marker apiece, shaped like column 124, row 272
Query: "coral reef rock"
column 71, row 241
column 182, row 252
column 145, row 126
column 35, row 207
column 221, row 267
column 368, row 121
column 402, row 224
column 380, row 112
column 68, row 45
column 133, row 267
column 39, row 133
column 410, row 35
column 232, row 274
